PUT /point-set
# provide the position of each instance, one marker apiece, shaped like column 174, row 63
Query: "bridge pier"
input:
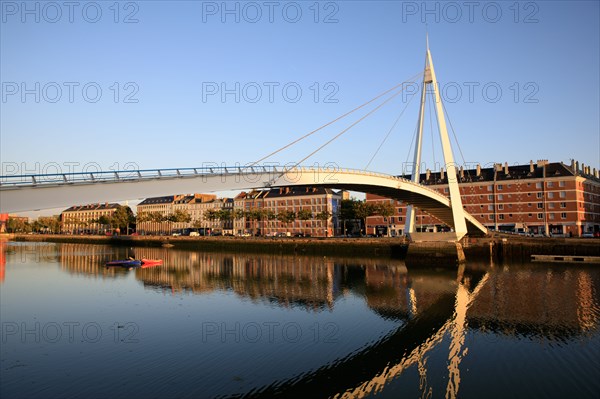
column 435, row 253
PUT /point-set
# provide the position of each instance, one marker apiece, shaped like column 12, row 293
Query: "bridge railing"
column 27, row 180
column 91, row 177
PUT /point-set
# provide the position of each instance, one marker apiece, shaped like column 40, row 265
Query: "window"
column 490, row 207
column 550, row 184
column 563, row 215
column 529, row 205
column 550, row 195
column 529, row 194
column 446, row 189
column 551, row 216
column 563, row 194
column 501, row 217
column 490, row 197
column 499, row 186
column 540, row 205
column 491, row 217
column 500, row 206
column 551, row 205
column 563, row 204
column 490, row 188
column 538, row 185
column 561, row 183
column 539, row 195
column 510, row 215
column 500, row 197
column 540, row 216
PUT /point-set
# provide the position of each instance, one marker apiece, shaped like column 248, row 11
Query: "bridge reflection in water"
column 431, row 306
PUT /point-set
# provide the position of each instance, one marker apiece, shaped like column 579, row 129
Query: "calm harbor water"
column 223, row 325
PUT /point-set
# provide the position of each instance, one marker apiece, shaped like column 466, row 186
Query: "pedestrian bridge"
column 34, row 192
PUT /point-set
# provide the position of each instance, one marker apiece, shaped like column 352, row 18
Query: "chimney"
column 462, row 172
column 573, row 165
column 287, row 190
column 542, row 162
column 478, row 170
column 442, row 173
column 280, row 190
column 427, row 174
column 596, row 173
column 505, row 168
column 576, row 167
column 531, row 166
column 582, row 168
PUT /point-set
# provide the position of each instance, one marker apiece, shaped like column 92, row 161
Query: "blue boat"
column 125, row 262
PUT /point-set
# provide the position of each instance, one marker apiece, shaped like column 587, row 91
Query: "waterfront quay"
column 496, row 247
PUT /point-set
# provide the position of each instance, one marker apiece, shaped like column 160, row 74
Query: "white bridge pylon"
column 459, row 215
column 29, row 193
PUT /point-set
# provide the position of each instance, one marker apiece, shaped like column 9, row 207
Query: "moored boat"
column 125, row 262
column 151, row 262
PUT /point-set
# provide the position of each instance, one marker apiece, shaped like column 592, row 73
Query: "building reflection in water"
column 433, row 306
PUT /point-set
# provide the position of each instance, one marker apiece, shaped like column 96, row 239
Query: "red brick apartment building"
column 539, row 198
column 314, row 199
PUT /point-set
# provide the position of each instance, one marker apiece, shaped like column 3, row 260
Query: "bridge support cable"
column 389, row 132
column 410, row 80
column 345, row 130
column 411, row 145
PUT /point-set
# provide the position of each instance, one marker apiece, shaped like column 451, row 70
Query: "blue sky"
column 156, row 67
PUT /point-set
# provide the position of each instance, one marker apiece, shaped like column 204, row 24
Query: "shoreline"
column 495, row 248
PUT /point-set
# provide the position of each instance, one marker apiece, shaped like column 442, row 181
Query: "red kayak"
column 151, row 262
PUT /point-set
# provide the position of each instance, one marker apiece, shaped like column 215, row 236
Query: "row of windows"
column 551, row 205
column 540, row 216
column 501, row 197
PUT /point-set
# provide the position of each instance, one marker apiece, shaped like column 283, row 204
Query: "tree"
column 48, row 224
column 122, row 217
column 182, row 216
column 224, row 215
column 253, row 215
column 304, row 215
column 386, row 209
column 197, row 224
column 324, row 217
column 363, row 210
column 266, row 214
column 348, row 213
column 14, row 225
column 238, row 214
column 104, row 221
column 286, row 217
column 211, row 215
